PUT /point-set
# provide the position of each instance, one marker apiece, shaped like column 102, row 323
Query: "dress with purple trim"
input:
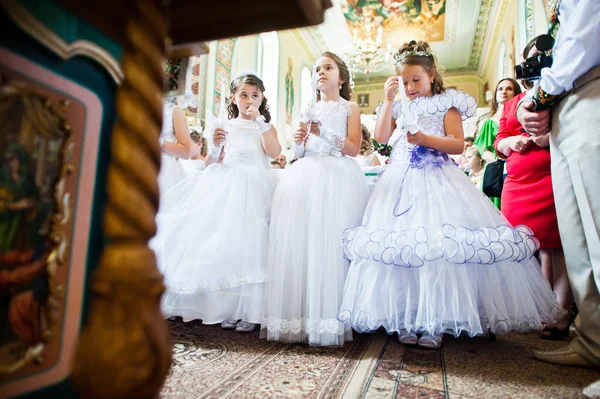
column 433, row 254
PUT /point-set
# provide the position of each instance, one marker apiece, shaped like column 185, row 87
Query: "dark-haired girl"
column 213, row 227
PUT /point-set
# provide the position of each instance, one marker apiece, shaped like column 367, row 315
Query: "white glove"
column 263, row 126
column 336, row 141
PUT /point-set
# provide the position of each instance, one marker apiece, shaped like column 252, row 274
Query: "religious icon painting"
column 47, row 123
column 363, row 100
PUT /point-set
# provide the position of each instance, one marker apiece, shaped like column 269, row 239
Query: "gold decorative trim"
column 34, row 353
column 21, row 16
column 125, row 350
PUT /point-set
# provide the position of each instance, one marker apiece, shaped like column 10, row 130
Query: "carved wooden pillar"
column 124, row 350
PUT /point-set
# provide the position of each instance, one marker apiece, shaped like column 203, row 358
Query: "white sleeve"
column 577, row 47
column 299, row 150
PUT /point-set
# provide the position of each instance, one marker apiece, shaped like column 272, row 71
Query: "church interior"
column 82, row 88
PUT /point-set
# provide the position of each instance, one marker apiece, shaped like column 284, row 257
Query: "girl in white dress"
column 319, row 196
column 433, row 255
column 366, row 155
column 196, row 163
column 213, row 227
column 174, row 143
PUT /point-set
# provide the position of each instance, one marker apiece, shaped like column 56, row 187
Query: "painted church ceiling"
column 456, row 29
column 420, row 19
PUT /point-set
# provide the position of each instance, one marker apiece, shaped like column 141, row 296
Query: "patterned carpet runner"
column 210, row 362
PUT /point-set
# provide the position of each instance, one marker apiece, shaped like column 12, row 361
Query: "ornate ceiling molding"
column 451, row 21
column 482, row 27
column 40, row 32
column 493, row 38
column 318, row 38
column 305, row 46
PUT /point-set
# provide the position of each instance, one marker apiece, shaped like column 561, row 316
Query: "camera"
column 531, row 68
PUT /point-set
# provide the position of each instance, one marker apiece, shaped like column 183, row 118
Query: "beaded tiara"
column 405, row 54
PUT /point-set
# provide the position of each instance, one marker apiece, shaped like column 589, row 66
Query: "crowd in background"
column 513, row 169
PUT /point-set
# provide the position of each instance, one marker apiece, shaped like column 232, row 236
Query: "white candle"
column 223, row 111
column 403, row 95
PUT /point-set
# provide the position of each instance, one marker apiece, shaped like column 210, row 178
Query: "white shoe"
column 244, row 326
column 592, row 391
column 430, row 341
column 229, row 324
column 406, row 338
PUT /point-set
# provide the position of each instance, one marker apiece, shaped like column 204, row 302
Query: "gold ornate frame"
column 53, row 113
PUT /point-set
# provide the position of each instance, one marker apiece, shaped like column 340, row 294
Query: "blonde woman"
column 367, row 155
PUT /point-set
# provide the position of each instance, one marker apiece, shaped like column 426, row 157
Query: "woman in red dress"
column 527, row 199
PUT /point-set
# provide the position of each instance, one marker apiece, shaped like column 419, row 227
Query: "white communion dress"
column 213, row 232
column 433, row 254
column 317, row 198
column 171, row 171
column 192, row 165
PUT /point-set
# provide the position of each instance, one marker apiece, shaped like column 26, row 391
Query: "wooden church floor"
column 210, row 362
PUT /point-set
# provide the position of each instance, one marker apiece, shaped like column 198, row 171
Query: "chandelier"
column 369, row 55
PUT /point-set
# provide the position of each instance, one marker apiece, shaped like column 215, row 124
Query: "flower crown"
column 405, row 54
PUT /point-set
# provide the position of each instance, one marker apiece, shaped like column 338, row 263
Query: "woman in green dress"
column 506, row 89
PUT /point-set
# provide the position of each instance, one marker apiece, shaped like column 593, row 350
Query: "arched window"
column 244, row 55
column 267, row 66
column 305, row 88
column 502, row 71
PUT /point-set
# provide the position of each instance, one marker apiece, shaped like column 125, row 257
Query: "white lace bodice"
column 243, row 145
column 333, row 115
column 431, row 112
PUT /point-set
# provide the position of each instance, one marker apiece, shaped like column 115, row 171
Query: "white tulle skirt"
column 211, row 246
column 433, row 254
column 170, row 173
column 316, row 200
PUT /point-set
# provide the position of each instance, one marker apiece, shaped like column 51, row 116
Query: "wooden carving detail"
column 125, row 348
